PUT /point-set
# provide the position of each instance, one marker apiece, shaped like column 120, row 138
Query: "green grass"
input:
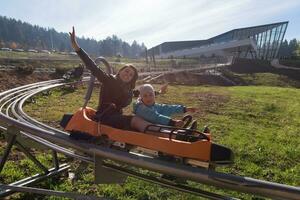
column 291, row 62
column 40, row 63
column 267, row 79
column 31, row 55
column 56, row 60
column 260, row 124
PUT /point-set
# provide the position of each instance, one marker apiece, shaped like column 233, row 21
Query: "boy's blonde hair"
column 145, row 89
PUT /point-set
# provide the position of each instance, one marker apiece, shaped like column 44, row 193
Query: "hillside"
column 242, row 72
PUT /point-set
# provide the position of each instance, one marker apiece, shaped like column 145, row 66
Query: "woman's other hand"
column 73, row 40
column 179, row 123
column 190, row 109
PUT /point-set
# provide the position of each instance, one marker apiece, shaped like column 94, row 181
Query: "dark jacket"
column 113, row 90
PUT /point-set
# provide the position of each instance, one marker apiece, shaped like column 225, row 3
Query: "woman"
column 116, row 92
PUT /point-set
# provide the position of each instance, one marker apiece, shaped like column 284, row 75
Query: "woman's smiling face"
column 126, row 74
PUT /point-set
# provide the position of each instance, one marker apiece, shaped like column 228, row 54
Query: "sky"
column 153, row 22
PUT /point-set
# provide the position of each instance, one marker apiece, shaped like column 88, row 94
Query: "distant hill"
column 17, row 34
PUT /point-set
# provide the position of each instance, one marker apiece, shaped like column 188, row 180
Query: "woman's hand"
column 73, row 40
column 163, row 88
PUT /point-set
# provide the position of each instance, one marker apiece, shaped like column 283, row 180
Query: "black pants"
column 115, row 119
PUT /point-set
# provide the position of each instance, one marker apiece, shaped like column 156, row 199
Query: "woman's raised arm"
column 73, row 40
column 88, row 62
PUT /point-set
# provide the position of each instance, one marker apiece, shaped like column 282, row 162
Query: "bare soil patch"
column 9, row 80
column 187, row 78
column 209, row 102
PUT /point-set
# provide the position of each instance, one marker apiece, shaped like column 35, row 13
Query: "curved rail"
column 12, row 102
column 11, row 114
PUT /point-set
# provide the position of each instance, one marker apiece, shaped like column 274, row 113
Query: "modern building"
column 257, row 42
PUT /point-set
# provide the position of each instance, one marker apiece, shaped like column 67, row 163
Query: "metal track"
column 12, row 101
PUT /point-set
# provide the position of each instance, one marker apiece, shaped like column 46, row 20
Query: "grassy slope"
column 290, row 63
column 260, row 124
column 268, row 79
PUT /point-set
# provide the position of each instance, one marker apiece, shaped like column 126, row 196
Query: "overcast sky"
column 156, row 21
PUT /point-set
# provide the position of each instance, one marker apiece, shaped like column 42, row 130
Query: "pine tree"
column 27, row 36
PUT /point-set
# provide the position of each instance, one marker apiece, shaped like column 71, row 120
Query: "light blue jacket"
column 157, row 113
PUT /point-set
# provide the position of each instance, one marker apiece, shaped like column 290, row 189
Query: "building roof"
column 272, row 35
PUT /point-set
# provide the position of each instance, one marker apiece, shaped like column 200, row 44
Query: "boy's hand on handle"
column 179, row 123
column 73, row 40
column 190, row 109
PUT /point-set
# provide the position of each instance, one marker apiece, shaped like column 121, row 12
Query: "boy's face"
column 148, row 98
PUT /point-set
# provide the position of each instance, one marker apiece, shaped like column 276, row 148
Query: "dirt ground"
column 210, row 102
column 11, row 79
column 186, row 78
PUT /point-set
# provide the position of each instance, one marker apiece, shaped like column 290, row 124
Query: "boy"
column 146, row 108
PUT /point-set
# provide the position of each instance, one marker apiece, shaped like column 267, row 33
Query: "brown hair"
column 134, row 78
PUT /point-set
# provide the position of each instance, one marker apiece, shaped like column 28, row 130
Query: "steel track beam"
column 34, row 179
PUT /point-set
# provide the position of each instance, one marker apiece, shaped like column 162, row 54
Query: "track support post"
column 55, row 159
column 11, row 139
column 105, row 175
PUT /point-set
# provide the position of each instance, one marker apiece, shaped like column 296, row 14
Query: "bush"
column 61, row 71
column 26, row 70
